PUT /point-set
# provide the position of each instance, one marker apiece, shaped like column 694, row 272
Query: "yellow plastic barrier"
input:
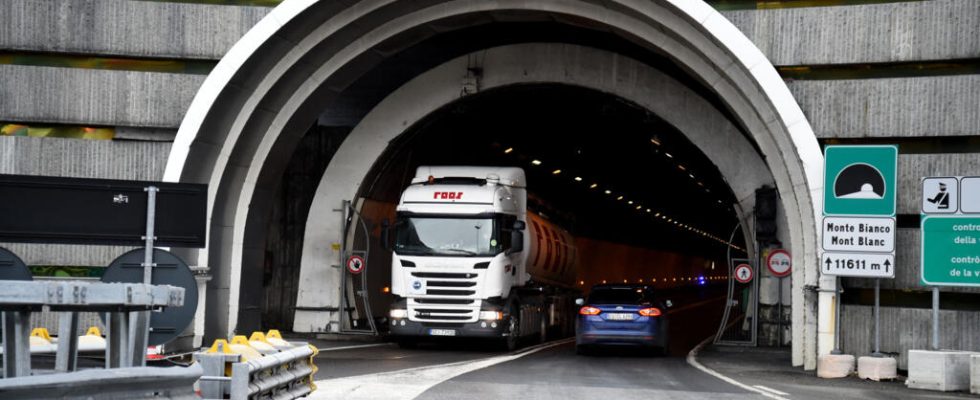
column 93, row 331
column 241, row 345
column 274, row 338
column 258, row 342
column 41, row 333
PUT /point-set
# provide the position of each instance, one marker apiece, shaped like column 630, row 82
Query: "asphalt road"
column 472, row 370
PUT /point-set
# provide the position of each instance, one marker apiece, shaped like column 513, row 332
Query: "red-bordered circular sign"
column 743, row 273
column 780, row 263
column 355, row 264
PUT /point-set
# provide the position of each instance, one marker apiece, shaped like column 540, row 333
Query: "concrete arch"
column 254, row 107
column 532, row 63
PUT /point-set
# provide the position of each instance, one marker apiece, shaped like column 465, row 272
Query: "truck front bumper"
column 478, row 329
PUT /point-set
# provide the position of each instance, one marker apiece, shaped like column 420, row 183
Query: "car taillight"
column 650, row 312
column 589, row 310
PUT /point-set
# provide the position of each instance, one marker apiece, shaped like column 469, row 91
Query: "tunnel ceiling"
column 597, row 137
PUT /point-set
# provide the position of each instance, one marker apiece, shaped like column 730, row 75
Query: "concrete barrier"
column 975, row 374
column 944, row 370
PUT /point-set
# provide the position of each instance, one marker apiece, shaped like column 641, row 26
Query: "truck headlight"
column 397, row 313
column 491, row 315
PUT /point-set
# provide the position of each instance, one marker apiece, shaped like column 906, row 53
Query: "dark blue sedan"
column 621, row 315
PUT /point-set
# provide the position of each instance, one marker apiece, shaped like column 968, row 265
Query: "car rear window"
column 618, row 296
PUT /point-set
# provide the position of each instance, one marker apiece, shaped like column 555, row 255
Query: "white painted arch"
column 520, row 64
column 244, row 123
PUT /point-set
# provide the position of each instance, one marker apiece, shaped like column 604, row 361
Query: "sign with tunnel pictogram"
column 355, row 264
column 860, row 180
column 744, row 273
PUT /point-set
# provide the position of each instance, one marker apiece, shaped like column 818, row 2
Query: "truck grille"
column 448, row 298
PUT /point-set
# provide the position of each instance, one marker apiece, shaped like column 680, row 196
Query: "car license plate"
column 442, row 332
column 619, row 317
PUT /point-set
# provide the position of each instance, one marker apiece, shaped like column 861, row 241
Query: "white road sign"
column 970, row 194
column 866, row 265
column 859, row 234
column 940, row 195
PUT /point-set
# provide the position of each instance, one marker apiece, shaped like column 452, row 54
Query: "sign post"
column 780, row 265
column 859, row 219
column 950, row 237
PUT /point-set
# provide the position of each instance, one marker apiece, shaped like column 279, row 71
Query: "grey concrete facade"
column 914, row 107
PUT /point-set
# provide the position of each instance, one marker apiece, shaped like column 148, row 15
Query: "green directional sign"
column 951, row 250
column 860, row 180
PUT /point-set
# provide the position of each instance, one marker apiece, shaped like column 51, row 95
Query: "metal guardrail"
column 124, row 303
column 106, row 384
column 261, row 367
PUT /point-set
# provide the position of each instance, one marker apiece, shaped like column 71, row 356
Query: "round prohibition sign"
column 780, row 263
column 743, row 273
column 355, row 264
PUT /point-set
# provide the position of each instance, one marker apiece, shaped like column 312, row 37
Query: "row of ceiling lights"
column 638, row 207
column 670, row 280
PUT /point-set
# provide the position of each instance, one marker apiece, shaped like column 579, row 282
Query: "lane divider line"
column 769, row 389
column 692, row 360
column 407, row 384
column 359, row 346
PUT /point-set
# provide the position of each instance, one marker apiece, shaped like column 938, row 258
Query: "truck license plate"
column 442, row 332
column 619, row 317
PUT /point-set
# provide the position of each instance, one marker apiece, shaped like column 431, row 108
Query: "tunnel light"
column 719, row 201
column 535, row 162
column 629, row 202
column 603, row 281
column 649, row 210
column 593, row 186
column 509, row 150
column 655, row 141
column 556, row 172
column 619, row 198
column 700, row 184
column 624, row 281
column 656, row 215
column 639, row 207
column 692, row 176
column 681, row 167
column 608, row 191
column 578, row 179
column 668, row 155
column 654, row 280
column 639, row 280
column 581, row 283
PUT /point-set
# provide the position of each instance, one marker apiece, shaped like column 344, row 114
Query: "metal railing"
column 261, row 367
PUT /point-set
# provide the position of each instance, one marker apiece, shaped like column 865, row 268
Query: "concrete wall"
column 125, row 28
column 901, row 31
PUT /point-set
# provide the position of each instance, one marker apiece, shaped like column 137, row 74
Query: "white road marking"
column 409, row 383
column 359, row 346
column 692, row 360
column 769, row 389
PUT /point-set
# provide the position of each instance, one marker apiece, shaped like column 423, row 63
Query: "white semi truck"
column 469, row 260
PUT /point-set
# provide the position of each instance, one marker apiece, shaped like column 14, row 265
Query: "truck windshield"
column 447, row 236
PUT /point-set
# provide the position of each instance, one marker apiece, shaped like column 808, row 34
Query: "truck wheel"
column 513, row 340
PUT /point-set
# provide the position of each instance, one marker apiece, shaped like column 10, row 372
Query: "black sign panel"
column 44, row 209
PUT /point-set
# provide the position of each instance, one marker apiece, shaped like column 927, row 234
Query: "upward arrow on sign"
column 887, row 265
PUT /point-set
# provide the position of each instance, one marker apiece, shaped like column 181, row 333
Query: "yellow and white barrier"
column 264, row 366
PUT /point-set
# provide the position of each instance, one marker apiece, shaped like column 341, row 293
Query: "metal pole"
column 837, row 317
column 935, row 318
column 151, row 214
column 779, row 310
column 877, row 352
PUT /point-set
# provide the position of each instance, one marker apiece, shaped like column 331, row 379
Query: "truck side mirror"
column 517, row 237
column 385, row 229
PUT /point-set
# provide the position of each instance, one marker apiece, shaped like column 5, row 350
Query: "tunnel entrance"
column 644, row 204
column 250, row 117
